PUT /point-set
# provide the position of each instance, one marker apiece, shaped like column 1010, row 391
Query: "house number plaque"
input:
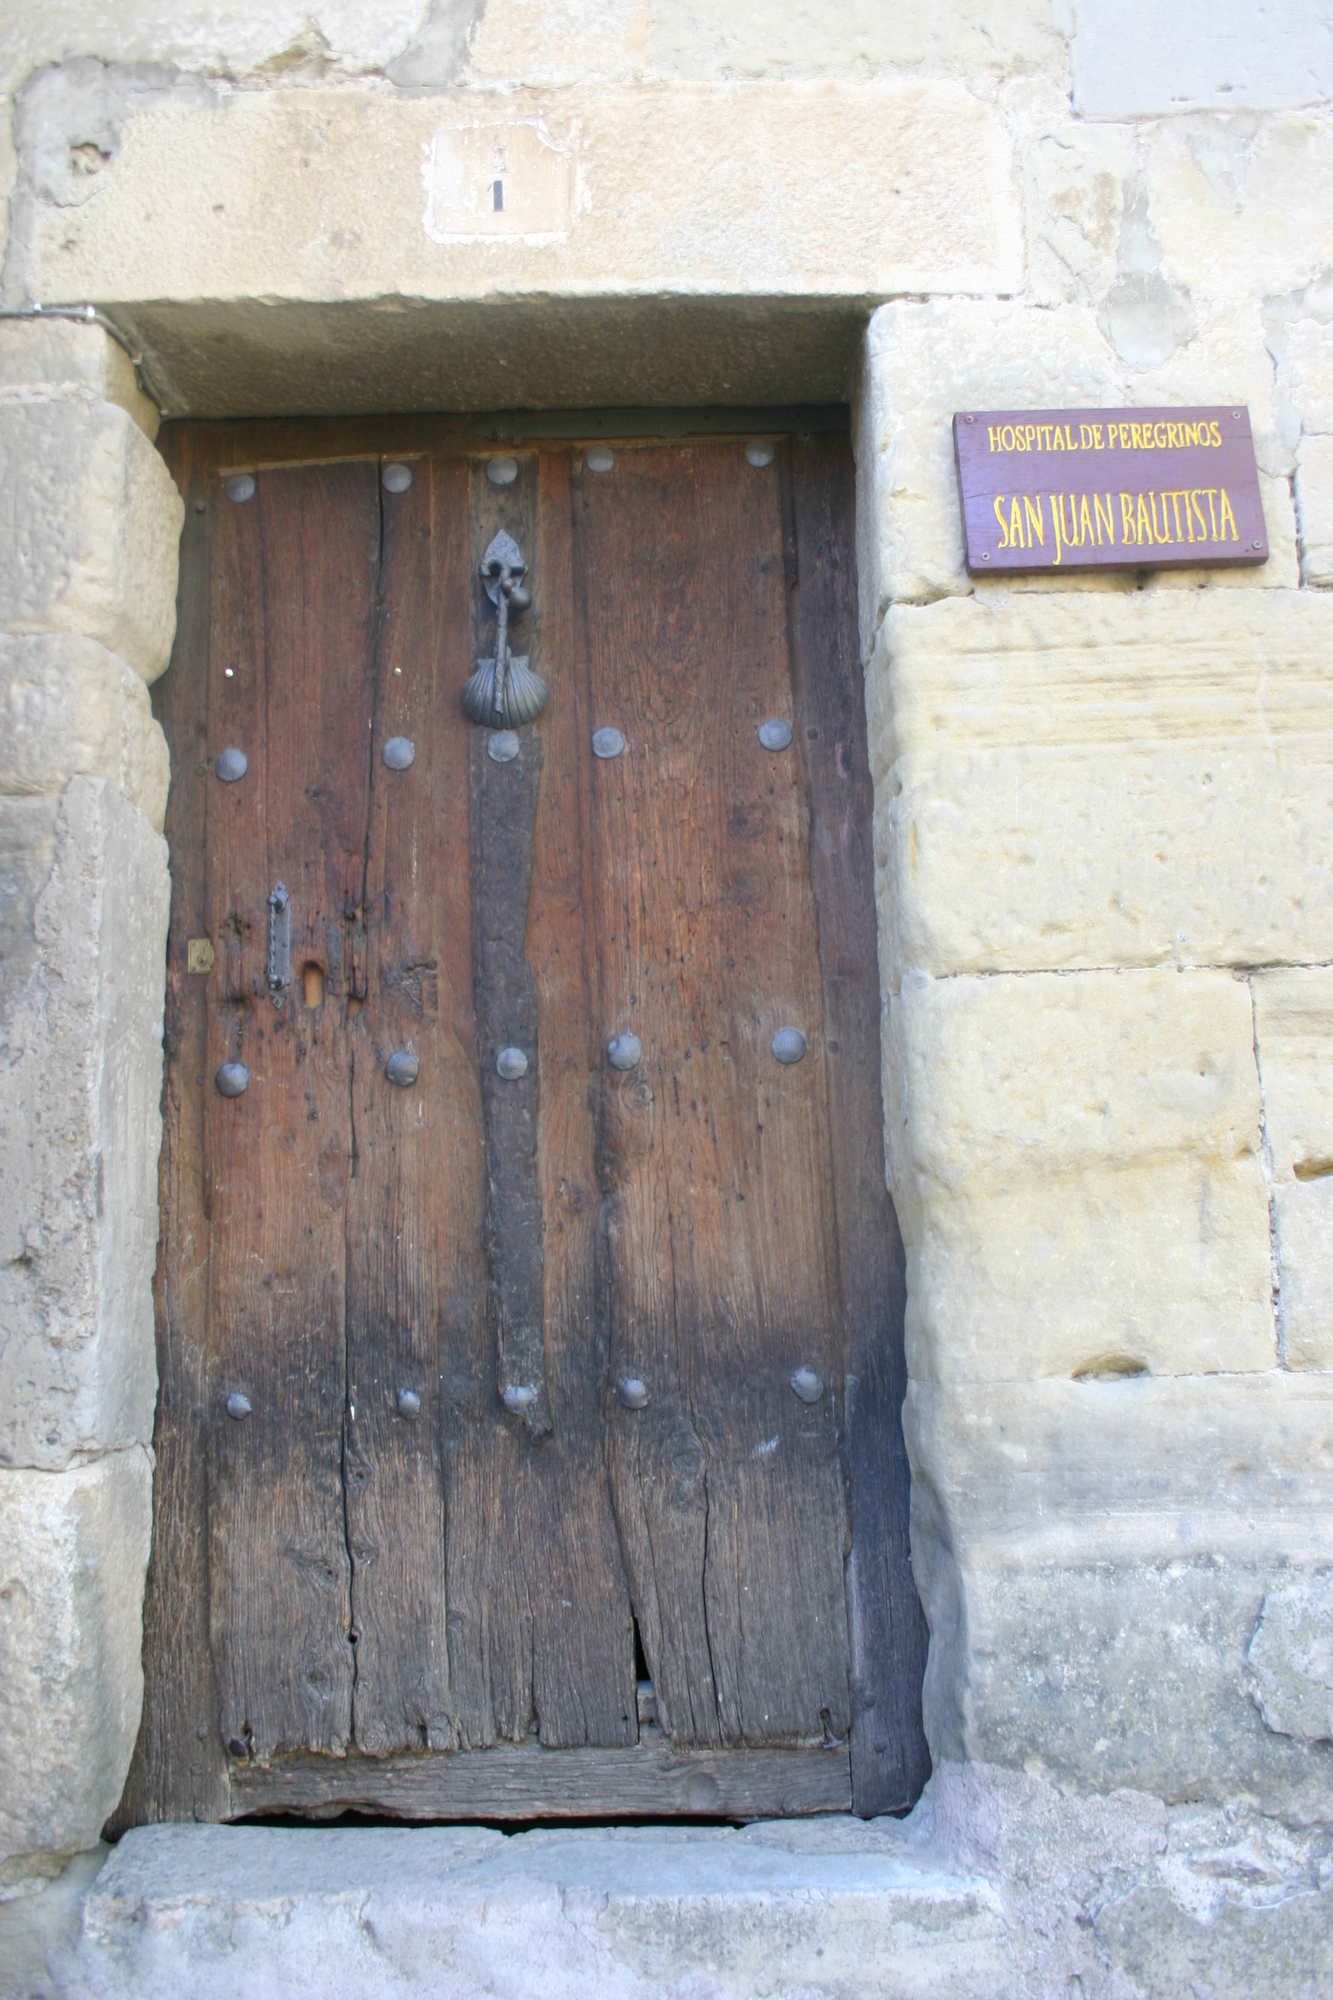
column 1108, row 489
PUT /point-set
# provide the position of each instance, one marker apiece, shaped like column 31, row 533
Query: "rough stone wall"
column 1102, row 825
column 89, row 521
column 1102, row 806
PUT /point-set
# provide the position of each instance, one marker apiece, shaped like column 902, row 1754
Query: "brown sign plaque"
column 1108, row 489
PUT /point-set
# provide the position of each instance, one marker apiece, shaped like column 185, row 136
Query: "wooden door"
column 530, row 1331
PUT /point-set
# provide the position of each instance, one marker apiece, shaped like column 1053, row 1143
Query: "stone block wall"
column 89, row 522
column 1102, row 813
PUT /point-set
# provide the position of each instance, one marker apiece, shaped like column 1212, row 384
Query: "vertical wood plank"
column 583, row 1638
column 890, row 1758
column 721, row 1263
column 179, row 1769
column 539, row 1621
column 295, row 582
column 414, row 1194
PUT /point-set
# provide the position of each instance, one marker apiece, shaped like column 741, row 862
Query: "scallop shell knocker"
column 504, row 693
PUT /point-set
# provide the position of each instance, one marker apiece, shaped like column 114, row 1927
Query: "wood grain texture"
column 539, row 1618
column 179, row 1770
column 720, row 1267
column 295, row 581
column 431, row 1598
column 890, row 1757
column 526, row 1781
column 414, row 1191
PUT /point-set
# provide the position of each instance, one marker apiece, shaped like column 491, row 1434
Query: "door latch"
column 279, row 943
column 504, row 693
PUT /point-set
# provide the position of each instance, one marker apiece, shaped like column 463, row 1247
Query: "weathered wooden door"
column 530, row 1299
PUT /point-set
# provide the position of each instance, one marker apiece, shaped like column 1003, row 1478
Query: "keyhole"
column 313, row 984
column 497, row 195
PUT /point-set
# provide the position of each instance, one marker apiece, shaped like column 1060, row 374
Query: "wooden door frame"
column 526, row 1781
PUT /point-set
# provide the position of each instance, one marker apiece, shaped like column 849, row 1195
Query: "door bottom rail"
column 525, row 1781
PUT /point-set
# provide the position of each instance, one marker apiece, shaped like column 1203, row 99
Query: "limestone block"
column 82, row 952
column 999, row 1883
column 729, row 189
column 1314, row 509
column 1075, row 1167
column 630, row 1913
column 73, row 1551
column 1131, row 59
column 44, row 358
column 89, row 526
column 785, row 38
column 1103, row 779
column 1293, row 1020
column 68, row 708
column 1306, row 364
column 756, row 194
column 1074, row 182
column 924, row 362
column 1291, row 1660
column 1239, row 206
column 1094, row 1558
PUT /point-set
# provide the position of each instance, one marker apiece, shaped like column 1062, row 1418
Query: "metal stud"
column 238, row 1406
column 775, row 734
column 808, row 1386
column 399, row 752
column 518, row 1398
column 503, row 747
column 624, row 1052
column 759, row 454
column 396, row 478
column 607, row 743
column 502, row 471
column 402, row 1068
column 232, row 1079
column 633, row 1392
column 240, row 487
column 409, row 1403
column 229, row 765
column 600, row 459
column 788, row 1045
column 511, row 1064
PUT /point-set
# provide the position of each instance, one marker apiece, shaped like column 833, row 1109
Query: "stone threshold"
column 997, row 1887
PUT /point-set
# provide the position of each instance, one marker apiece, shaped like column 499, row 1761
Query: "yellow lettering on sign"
column 1032, row 515
column 1073, row 539
column 1127, row 519
column 1210, row 494
column 1110, row 519
column 1227, row 515
column 1084, row 521
column 1057, row 441
column 1097, row 437
column 993, row 437
column 1196, row 514
column 1004, row 532
column 1143, row 523
column 1016, row 527
column 1216, row 434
